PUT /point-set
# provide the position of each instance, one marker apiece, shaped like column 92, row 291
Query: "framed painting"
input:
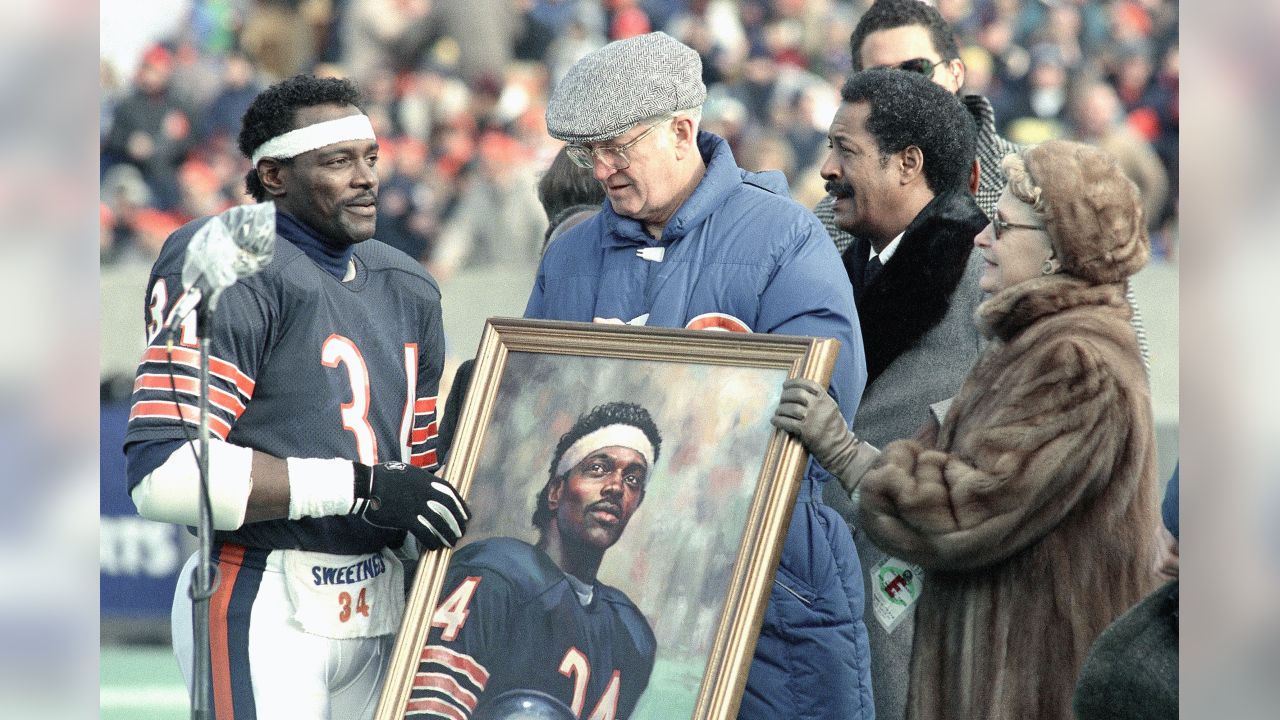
column 629, row 502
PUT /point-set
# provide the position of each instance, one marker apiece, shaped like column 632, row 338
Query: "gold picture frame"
column 724, row 473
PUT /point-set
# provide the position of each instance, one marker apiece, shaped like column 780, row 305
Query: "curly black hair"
column 909, row 109
column 890, row 14
column 614, row 413
column 274, row 112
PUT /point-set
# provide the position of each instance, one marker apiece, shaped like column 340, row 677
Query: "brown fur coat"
column 1033, row 511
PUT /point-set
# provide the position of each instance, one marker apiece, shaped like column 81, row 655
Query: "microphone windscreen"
column 253, row 230
column 231, row 245
column 211, row 258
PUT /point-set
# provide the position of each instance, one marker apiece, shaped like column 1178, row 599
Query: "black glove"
column 405, row 497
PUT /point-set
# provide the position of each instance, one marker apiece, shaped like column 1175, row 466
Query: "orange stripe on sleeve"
column 426, row 459
column 190, row 386
column 434, row 706
column 447, row 685
column 217, row 366
column 465, row 664
column 181, row 411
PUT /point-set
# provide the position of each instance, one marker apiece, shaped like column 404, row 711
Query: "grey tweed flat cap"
column 622, row 83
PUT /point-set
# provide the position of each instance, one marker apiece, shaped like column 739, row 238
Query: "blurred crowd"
column 457, row 90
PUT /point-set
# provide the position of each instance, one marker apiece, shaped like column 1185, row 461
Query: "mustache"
column 369, row 197
column 606, row 505
column 839, row 189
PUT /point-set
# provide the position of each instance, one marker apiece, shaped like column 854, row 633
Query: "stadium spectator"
column 1099, row 120
column 239, row 86
column 151, row 129
column 427, row 96
column 568, row 195
column 1038, row 107
column 498, row 219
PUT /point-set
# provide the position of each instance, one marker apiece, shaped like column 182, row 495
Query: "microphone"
column 232, row 245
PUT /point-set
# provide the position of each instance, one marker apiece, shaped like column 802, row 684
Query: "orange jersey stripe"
column 426, row 459
column 448, row 686
column 434, row 706
column 459, row 662
column 223, row 369
column 184, row 384
column 423, row 406
column 187, row 413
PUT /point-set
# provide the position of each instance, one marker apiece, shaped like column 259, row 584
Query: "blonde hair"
column 1089, row 208
column 1021, row 184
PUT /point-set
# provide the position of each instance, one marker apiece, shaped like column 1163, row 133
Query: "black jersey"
column 510, row 619
column 302, row 365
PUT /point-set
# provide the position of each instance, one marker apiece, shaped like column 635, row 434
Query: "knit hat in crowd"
column 610, row 90
column 1091, row 209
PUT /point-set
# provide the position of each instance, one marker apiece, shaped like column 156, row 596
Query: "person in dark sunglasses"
column 920, row 66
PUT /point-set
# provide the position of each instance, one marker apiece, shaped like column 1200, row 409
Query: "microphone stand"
column 232, row 245
column 203, row 579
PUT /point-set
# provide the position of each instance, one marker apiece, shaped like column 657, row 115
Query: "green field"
column 141, row 682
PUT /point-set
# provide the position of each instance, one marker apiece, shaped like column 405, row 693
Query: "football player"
column 527, row 617
column 325, row 368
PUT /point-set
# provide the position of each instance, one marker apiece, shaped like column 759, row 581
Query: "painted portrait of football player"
column 535, row 618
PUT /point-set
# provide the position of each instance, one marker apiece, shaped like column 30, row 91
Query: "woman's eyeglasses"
column 998, row 226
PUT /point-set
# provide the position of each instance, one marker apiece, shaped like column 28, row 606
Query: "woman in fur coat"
column 1033, row 508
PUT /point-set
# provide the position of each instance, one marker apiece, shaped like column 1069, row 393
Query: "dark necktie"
column 871, row 271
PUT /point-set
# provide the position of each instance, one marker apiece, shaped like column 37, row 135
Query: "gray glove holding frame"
column 807, row 412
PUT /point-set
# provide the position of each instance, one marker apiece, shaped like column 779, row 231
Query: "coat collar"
column 1011, row 310
column 984, row 117
column 913, row 292
column 722, row 178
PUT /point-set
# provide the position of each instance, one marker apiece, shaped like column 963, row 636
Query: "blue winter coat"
column 741, row 255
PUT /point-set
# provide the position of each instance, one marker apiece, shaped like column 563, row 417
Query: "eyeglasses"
column 998, row 226
column 920, row 66
column 613, row 156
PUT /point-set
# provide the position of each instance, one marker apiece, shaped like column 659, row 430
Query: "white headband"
column 628, row 436
column 314, row 137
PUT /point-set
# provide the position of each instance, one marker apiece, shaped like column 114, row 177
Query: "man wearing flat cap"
column 687, row 239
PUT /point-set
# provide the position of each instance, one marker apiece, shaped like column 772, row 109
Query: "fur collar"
column 913, row 291
column 1009, row 311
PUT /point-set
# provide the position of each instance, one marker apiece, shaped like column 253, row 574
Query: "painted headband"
column 628, row 436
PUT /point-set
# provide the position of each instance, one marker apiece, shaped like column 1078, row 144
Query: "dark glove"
column 808, row 413
column 404, row 497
